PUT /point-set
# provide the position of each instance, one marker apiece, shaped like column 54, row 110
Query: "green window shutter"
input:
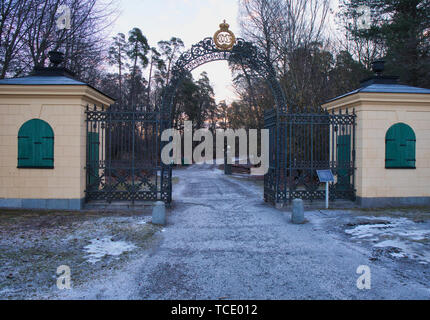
column 410, row 148
column 36, row 145
column 46, row 137
column 392, row 148
column 400, row 147
column 25, row 148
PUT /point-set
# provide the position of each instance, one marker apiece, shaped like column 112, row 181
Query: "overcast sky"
column 190, row 20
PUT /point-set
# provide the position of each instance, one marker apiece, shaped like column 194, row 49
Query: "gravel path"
column 223, row 242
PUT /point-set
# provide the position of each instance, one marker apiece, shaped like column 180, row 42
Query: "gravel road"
column 223, row 242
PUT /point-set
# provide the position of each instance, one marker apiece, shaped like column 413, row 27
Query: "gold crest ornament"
column 224, row 39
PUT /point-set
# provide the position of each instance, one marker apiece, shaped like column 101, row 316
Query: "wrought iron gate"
column 301, row 144
column 124, row 147
column 123, row 157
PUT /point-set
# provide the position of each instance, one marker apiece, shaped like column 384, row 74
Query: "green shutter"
column 93, row 158
column 400, row 147
column 46, row 136
column 25, row 148
column 411, row 153
column 36, row 145
column 344, row 162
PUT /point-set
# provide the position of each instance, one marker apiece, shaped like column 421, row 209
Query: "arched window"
column 400, row 147
column 36, row 145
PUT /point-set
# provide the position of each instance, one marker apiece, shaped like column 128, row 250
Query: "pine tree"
column 138, row 49
column 403, row 27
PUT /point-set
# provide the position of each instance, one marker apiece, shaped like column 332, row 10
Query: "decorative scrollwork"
column 242, row 52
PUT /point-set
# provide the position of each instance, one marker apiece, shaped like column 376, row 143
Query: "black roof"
column 383, row 84
column 49, row 76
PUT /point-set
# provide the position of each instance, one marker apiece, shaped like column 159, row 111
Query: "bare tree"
column 364, row 50
column 292, row 35
column 13, row 28
column 28, row 31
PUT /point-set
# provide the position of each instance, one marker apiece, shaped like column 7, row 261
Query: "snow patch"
column 144, row 220
column 106, row 247
column 391, row 244
column 405, row 236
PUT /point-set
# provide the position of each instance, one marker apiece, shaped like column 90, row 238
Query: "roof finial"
column 56, row 58
column 378, row 66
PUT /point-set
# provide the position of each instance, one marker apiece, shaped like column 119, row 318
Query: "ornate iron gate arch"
column 124, row 147
column 206, row 51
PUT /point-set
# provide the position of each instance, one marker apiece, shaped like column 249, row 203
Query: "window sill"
column 400, row 168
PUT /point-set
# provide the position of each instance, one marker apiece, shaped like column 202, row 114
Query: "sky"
column 190, row 20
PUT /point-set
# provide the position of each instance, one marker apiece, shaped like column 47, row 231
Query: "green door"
column 93, row 160
column 344, row 162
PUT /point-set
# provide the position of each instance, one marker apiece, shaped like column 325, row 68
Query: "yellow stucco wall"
column 64, row 110
column 376, row 113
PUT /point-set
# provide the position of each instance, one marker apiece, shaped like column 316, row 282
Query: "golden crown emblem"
column 224, row 26
column 224, row 38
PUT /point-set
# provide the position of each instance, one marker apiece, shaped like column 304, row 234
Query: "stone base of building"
column 43, row 204
column 393, row 202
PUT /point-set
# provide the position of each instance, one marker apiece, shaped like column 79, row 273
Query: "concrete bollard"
column 298, row 215
column 159, row 213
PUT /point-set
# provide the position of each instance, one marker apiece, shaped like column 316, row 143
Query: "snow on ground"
column 406, row 238
column 221, row 241
column 95, row 245
column 100, row 248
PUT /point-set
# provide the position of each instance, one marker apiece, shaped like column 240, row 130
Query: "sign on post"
column 326, row 176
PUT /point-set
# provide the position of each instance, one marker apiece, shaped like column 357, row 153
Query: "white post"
column 327, row 192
